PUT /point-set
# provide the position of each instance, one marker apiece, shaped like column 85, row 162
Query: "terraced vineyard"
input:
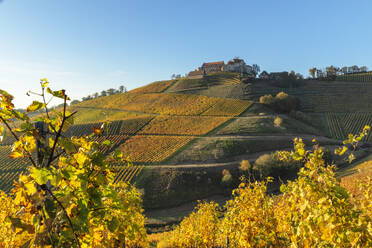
column 171, row 104
column 356, row 77
column 228, row 107
column 10, row 169
column 133, row 125
column 156, row 87
column 212, row 79
column 127, row 126
column 341, row 124
column 151, row 148
column 7, row 179
column 127, row 173
column 81, row 129
column 7, row 163
column 336, row 129
column 114, row 139
column 113, row 128
column 182, row 125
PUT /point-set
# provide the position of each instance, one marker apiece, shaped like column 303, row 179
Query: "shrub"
column 270, row 165
column 298, row 115
column 278, row 121
column 200, row 229
column 267, row 99
column 282, row 102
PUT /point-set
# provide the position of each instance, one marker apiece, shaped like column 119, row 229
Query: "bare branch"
column 58, row 133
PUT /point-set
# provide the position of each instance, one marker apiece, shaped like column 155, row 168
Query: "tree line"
column 108, row 92
column 334, row 71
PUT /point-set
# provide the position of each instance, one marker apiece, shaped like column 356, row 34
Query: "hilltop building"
column 278, row 75
column 196, row 74
column 265, row 75
column 212, row 66
column 238, row 65
column 234, row 65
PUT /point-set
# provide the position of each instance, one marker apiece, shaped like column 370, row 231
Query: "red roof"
column 213, row 63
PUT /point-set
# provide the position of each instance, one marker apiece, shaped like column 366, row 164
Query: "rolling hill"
column 181, row 134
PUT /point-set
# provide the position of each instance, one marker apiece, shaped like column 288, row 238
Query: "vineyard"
column 93, row 115
column 133, row 125
column 342, row 124
column 126, row 126
column 357, row 77
column 156, row 87
column 171, row 104
column 151, row 148
column 127, row 173
column 10, row 169
column 115, row 140
column 212, row 79
column 182, row 125
column 228, row 107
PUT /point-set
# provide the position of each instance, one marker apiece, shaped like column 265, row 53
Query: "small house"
column 212, row 66
column 278, row 75
column 264, row 75
column 196, row 74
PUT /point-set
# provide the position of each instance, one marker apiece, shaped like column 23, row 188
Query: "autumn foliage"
column 313, row 211
column 67, row 197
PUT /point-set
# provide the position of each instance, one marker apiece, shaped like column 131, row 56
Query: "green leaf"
column 118, row 154
column 58, row 93
column 351, row 157
column 67, row 145
column 113, row 224
column 44, row 82
column 41, row 176
column 2, row 131
column 106, row 143
column 341, row 150
column 36, row 105
column 50, row 208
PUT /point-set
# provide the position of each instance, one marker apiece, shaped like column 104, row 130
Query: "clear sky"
column 86, row 46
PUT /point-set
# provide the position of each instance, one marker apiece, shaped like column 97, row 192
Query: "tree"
column 74, row 102
column 312, row 71
column 319, row 73
column 111, row 91
column 67, row 197
column 363, row 68
column 95, row 95
column 344, row 70
column 355, row 69
column 299, row 76
column 122, row 89
column 256, row 69
column 103, row 93
column 331, row 71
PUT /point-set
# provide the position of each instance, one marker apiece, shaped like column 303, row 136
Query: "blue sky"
column 87, row 46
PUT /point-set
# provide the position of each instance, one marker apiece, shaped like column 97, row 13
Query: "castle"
column 234, row 65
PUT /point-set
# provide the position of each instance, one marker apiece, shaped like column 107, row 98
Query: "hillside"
column 182, row 134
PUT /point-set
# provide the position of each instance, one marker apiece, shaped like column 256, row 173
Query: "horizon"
column 86, row 47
